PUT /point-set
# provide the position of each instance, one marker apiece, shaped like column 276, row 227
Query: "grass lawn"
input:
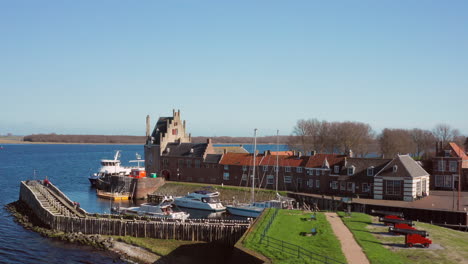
column 381, row 248
column 287, row 227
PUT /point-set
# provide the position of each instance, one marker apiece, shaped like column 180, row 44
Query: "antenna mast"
column 253, row 170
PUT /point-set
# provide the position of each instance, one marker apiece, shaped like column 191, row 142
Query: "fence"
column 289, row 248
column 226, row 232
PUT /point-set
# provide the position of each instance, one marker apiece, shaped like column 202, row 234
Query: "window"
column 317, row 183
column 270, row 179
column 370, row 171
column 336, row 169
column 226, row 167
column 181, row 163
column 343, row 186
column 174, row 131
column 447, row 153
column 424, row 185
column 226, row 176
column 197, row 163
column 395, row 168
column 418, row 188
column 443, row 181
column 310, row 183
column 365, row 187
column 317, row 172
column 244, row 177
column 287, row 169
column 244, row 168
column 287, row 179
column 276, row 168
column 453, row 166
column 189, row 163
column 350, row 186
column 334, row 185
column 393, row 187
column 299, row 169
column 441, row 165
column 165, row 163
column 351, row 170
column 265, row 168
column 323, row 172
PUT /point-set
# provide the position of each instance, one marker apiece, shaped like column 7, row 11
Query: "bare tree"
column 444, row 133
column 395, row 141
column 423, row 141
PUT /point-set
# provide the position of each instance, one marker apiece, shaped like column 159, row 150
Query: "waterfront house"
column 449, row 162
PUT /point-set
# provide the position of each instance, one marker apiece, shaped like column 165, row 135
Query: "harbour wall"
column 66, row 218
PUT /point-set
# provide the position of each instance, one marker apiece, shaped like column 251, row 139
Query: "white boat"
column 113, row 168
column 252, row 209
column 165, row 208
column 206, row 199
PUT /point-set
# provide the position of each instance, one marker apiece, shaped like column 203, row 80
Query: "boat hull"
column 244, row 211
column 200, row 205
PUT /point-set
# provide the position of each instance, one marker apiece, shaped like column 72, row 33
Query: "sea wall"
column 145, row 186
column 68, row 220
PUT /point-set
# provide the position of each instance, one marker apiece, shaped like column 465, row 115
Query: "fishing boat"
column 206, row 199
column 113, row 168
column 165, row 208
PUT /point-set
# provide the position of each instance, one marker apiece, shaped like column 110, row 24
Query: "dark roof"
column 231, row 149
column 185, row 150
column 161, row 127
column 362, row 164
column 213, row 158
column 406, row 167
column 318, row 160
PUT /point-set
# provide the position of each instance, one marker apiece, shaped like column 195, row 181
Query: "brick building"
column 170, row 153
column 450, row 161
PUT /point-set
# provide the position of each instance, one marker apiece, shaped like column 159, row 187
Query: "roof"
column 284, row 160
column 318, row 160
column 185, row 149
column 160, row 127
column 232, row 149
column 406, row 167
column 287, row 153
column 241, row 159
column 458, row 151
column 362, row 164
column 212, row 158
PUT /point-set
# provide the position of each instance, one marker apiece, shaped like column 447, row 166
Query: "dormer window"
column 447, row 153
column 395, row 168
column 351, row 170
column 336, row 169
column 370, row 171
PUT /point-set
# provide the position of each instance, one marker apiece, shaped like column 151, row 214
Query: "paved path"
column 351, row 249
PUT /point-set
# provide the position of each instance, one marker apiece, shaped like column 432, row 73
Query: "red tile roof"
column 459, row 152
column 284, row 161
column 317, row 160
column 241, row 159
column 288, row 153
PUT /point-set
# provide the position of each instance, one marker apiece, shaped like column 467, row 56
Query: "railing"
column 289, row 248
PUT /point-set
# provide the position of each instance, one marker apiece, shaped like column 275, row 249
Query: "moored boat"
column 113, row 168
column 206, row 199
column 164, row 208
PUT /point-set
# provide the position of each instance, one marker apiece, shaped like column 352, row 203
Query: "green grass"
column 287, row 227
column 161, row 247
column 380, row 248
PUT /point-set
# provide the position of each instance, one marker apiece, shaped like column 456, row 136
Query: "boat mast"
column 253, row 170
column 277, row 158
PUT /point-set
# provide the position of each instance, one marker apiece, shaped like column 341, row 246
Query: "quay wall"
column 436, row 217
column 226, row 232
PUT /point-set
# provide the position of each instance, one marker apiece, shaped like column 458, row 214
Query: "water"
column 67, row 166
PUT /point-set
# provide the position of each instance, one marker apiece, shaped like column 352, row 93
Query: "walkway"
column 351, row 249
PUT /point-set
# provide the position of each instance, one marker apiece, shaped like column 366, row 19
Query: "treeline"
column 340, row 137
column 55, row 138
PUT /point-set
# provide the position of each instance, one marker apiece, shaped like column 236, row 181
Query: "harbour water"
column 66, row 166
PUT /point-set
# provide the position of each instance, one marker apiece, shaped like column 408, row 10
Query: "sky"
column 100, row 67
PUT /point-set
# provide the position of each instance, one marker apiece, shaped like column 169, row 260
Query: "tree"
column 423, row 141
column 396, row 141
column 444, row 133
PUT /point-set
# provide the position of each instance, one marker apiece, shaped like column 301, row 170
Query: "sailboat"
column 251, row 209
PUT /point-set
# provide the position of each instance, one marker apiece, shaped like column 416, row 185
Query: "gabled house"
column 401, row 179
column 450, row 162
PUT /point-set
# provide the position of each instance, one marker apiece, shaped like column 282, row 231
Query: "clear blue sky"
column 99, row 67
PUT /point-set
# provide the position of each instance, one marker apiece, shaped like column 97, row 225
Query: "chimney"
column 350, row 153
column 208, row 141
column 224, row 151
column 191, row 150
column 299, row 154
column 313, row 152
column 147, row 126
column 168, row 150
column 267, row 152
column 178, row 113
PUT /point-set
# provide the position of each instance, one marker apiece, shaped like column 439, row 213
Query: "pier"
column 58, row 212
